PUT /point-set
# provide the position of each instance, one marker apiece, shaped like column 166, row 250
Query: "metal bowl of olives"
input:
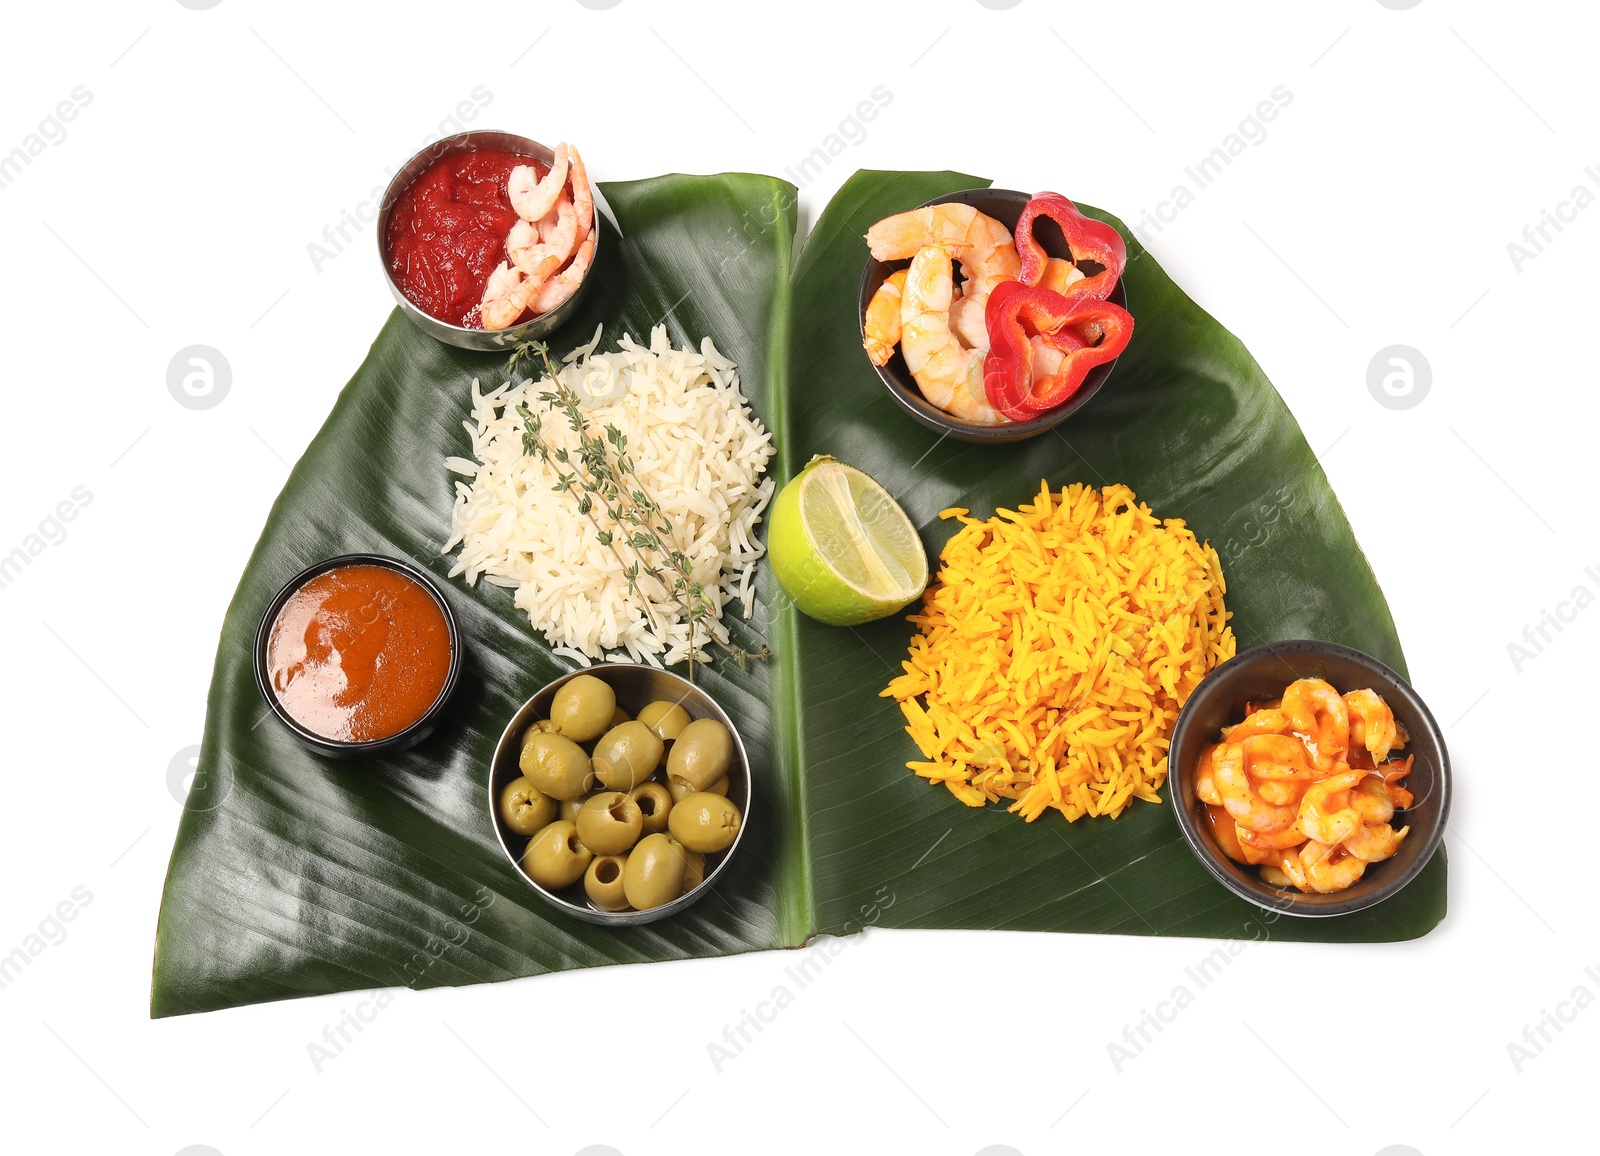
column 619, row 793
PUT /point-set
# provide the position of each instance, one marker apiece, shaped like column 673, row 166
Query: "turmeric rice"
column 1055, row 649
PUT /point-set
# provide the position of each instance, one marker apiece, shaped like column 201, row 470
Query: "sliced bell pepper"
column 1089, row 240
column 1086, row 330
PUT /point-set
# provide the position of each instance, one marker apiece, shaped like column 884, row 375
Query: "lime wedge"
column 842, row 548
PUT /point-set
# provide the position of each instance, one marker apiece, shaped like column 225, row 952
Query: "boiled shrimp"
column 1259, row 722
column 949, row 376
column 1371, row 798
column 505, row 297
column 531, row 247
column 531, row 197
column 1326, row 870
column 1226, row 832
column 1392, row 774
column 968, row 321
column 1376, row 842
column 1273, row 875
column 1281, row 792
column 1282, row 840
column 1294, row 869
column 1205, row 787
column 558, row 231
column 582, row 193
column 1326, row 813
column 1372, row 723
column 558, row 288
column 982, row 244
column 1276, row 757
column 881, row 329
column 1246, row 806
column 1317, row 713
column 1058, row 274
column 1253, row 855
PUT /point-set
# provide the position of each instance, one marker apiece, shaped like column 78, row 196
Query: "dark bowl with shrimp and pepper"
column 1006, row 206
column 1238, row 689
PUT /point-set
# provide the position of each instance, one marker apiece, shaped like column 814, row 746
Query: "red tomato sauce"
column 448, row 231
column 359, row 653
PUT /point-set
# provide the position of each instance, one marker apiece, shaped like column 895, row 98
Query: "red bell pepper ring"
column 1068, row 322
column 1089, row 240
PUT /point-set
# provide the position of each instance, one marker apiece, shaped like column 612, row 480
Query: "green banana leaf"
column 296, row 875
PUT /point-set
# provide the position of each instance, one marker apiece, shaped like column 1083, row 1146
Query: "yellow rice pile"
column 1055, row 650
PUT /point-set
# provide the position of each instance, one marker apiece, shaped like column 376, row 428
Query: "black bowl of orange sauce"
column 358, row 655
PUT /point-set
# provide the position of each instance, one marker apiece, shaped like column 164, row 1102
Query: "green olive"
column 556, row 857
column 583, row 707
column 667, row 719
column 542, row 725
column 609, row 823
column 525, row 808
column 694, row 873
column 556, row 765
column 618, row 717
column 655, row 871
column 704, row 822
column 602, row 882
column 568, row 809
column 701, row 755
column 681, row 790
column 627, row 755
column 655, row 801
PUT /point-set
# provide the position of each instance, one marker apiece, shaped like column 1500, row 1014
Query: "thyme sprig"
column 601, row 478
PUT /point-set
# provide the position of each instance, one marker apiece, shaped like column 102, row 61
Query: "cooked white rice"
column 698, row 452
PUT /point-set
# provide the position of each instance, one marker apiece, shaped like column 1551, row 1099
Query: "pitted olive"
column 583, row 707
column 655, row 871
column 667, row 719
column 701, row 755
column 602, row 882
column 555, row 765
column 694, row 873
column 525, row 808
column 627, row 755
column 704, row 822
column 609, row 823
column 556, row 857
column 680, row 790
column 655, row 801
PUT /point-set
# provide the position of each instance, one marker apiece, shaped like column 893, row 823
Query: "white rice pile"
column 698, row 453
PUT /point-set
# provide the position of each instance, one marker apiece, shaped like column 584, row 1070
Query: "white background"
column 218, row 144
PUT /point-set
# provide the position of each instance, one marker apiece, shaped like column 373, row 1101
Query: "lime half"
column 842, row 548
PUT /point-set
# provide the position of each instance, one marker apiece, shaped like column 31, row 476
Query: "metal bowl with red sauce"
column 358, row 654
column 442, row 226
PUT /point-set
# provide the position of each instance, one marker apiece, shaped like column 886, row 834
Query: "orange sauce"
column 359, row 653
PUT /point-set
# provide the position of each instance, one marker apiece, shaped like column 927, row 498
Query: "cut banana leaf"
column 297, row 875
column 1190, row 422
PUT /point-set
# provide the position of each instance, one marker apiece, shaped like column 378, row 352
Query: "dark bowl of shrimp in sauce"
column 1005, row 206
column 1252, row 685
